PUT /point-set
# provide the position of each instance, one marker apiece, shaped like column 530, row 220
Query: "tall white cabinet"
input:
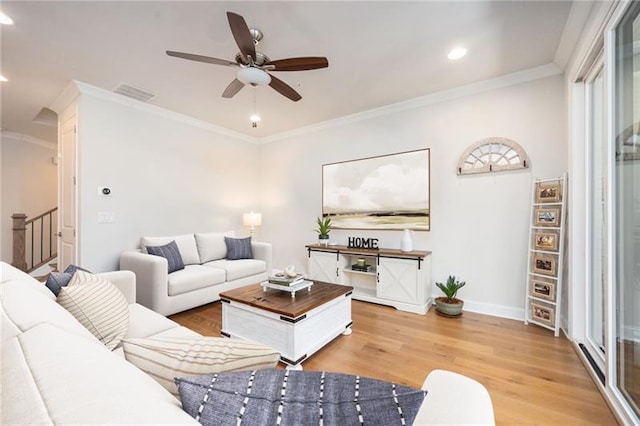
column 395, row 278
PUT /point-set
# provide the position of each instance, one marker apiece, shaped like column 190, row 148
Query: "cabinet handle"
column 378, row 276
column 337, row 272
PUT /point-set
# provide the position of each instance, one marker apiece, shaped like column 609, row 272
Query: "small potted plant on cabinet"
column 324, row 227
column 449, row 305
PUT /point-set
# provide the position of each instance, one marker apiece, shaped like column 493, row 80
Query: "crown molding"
column 578, row 16
column 506, row 80
column 75, row 88
column 19, row 137
column 68, row 95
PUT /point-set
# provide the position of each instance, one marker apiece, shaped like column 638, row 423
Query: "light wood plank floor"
column 533, row 377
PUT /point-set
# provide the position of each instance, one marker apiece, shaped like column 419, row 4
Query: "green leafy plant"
column 324, row 225
column 450, row 289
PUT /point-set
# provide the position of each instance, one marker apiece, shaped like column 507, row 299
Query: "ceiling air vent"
column 134, row 92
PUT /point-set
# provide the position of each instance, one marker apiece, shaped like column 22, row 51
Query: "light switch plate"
column 106, row 217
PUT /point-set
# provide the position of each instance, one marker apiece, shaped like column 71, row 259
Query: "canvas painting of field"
column 386, row 192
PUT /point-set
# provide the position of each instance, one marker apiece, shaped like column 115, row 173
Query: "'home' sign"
column 365, row 243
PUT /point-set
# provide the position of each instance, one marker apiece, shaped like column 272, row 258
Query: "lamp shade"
column 253, row 76
column 252, row 219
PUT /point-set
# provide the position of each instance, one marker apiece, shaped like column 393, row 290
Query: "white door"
column 323, row 267
column 67, row 253
column 398, row 280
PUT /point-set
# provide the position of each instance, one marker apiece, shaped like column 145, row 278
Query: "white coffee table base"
column 295, row 338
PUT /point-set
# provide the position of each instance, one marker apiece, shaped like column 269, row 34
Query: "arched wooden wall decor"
column 492, row 155
column 628, row 143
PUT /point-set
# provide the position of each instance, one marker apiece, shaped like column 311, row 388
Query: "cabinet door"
column 398, row 280
column 323, row 267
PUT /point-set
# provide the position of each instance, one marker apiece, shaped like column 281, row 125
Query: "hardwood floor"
column 533, row 377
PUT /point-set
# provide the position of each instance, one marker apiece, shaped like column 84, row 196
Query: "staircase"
column 34, row 240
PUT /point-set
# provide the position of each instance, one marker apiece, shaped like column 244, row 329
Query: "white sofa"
column 207, row 272
column 54, row 371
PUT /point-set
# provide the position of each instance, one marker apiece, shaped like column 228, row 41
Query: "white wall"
column 479, row 223
column 28, row 182
column 167, row 177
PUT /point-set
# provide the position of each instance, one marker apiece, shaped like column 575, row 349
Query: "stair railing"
column 34, row 242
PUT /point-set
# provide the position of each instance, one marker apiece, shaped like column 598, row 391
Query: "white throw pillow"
column 186, row 244
column 98, row 305
column 211, row 245
column 167, row 358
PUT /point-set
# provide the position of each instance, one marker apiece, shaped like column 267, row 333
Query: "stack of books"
column 284, row 280
column 362, row 268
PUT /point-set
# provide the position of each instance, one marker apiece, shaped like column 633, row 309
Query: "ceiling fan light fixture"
column 253, row 76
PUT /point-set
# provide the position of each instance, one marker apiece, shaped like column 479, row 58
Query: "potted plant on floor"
column 449, row 305
column 324, row 227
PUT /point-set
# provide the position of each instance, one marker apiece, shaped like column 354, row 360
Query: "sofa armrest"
column 263, row 251
column 152, row 276
column 445, row 391
column 125, row 281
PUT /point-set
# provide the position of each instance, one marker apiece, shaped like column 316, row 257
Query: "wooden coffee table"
column 296, row 327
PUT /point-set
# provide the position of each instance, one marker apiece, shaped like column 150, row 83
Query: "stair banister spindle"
column 19, row 231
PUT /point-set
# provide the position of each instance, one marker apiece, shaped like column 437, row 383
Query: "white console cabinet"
column 395, row 278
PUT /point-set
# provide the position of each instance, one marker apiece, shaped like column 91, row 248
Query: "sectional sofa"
column 54, row 371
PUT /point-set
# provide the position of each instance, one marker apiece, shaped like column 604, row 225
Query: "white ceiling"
column 379, row 53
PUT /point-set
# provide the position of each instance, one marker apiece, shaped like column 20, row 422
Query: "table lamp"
column 252, row 219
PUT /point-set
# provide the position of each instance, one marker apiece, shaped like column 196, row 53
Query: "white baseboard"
column 494, row 310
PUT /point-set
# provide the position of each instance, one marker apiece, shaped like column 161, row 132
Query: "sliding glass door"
column 627, row 205
column 598, row 154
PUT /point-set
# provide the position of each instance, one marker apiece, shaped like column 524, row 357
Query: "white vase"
column 406, row 244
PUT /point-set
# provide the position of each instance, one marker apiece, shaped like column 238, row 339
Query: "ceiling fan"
column 253, row 64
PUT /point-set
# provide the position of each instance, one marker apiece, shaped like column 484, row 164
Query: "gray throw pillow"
column 285, row 397
column 57, row 280
column 238, row 248
column 169, row 252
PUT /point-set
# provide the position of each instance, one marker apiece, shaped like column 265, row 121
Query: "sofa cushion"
column 98, row 305
column 25, row 306
column 211, row 245
column 143, row 322
column 50, row 376
column 237, row 269
column 238, row 248
column 194, row 277
column 284, row 397
column 186, row 244
column 10, row 273
column 169, row 252
column 167, row 358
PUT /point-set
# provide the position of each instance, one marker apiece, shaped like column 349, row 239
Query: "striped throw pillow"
column 167, row 358
column 98, row 305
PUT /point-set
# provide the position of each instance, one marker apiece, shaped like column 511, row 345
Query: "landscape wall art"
column 386, row 192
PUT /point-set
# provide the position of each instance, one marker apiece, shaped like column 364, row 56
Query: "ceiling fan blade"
column 299, row 64
column 233, row 88
column 200, row 58
column 284, row 89
column 242, row 35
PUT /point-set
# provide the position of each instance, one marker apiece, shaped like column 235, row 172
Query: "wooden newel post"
column 19, row 236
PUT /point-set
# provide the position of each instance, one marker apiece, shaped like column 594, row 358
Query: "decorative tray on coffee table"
column 288, row 288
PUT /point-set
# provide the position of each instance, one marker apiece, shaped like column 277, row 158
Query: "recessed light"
column 457, row 53
column 3, row 78
column 4, row 19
